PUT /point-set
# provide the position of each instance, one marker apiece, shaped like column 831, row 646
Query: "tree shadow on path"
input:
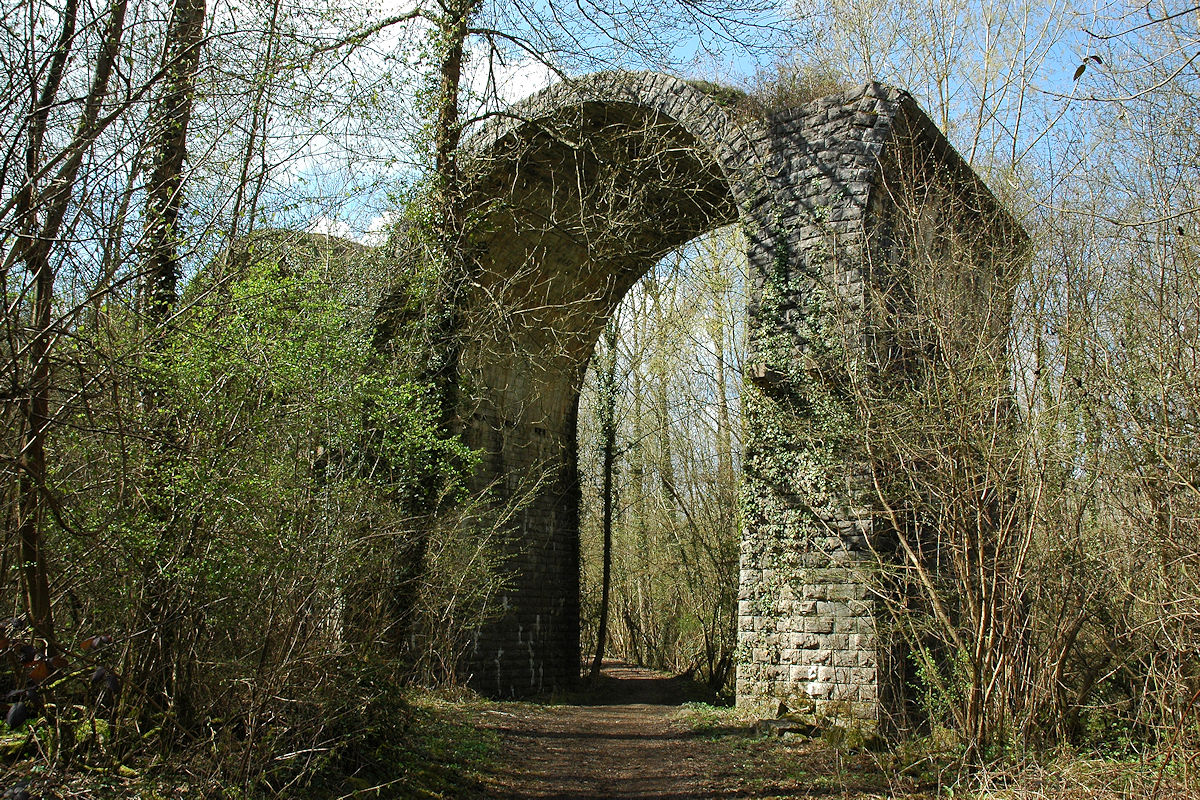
column 623, row 684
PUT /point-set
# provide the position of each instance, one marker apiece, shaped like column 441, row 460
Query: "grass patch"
column 439, row 755
column 706, row 719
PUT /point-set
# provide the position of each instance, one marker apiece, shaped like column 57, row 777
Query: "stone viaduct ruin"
column 575, row 194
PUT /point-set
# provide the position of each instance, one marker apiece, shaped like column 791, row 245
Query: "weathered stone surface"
column 580, row 190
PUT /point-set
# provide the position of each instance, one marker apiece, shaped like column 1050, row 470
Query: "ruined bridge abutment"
column 578, row 192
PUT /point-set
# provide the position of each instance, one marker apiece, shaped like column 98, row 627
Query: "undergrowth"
column 931, row 767
column 401, row 744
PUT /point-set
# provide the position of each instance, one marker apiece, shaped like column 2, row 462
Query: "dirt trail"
column 626, row 740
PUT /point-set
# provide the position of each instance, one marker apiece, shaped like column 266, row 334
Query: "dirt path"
column 629, row 739
column 626, row 743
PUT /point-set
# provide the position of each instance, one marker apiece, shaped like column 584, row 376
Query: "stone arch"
column 573, row 195
column 577, row 192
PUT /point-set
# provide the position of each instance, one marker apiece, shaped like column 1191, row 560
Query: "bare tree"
column 34, row 251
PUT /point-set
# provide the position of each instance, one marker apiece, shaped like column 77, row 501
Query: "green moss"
column 725, row 96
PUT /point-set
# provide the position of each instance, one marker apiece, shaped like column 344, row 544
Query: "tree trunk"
column 168, row 135
column 443, row 332
column 608, row 430
column 724, row 430
column 33, row 454
column 35, row 251
column 168, row 615
column 453, row 271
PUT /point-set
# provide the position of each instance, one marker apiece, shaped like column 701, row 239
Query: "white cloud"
column 505, row 79
column 331, row 227
column 376, row 232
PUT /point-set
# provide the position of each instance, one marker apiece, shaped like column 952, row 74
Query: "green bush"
column 240, row 517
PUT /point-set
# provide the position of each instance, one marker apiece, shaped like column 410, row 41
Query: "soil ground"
column 640, row 734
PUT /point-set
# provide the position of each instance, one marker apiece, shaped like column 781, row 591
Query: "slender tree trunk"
column 662, row 402
column 453, row 270
column 35, row 250
column 168, row 132
column 444, row 343
column 33, row 456
column 724, row 432
column 168, row 615
column 638, row 483
column 33, row 453
column 608, row 430
column 259, row 114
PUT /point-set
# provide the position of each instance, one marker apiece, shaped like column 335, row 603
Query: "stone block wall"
column 855, row 177
column 806, row 629
column 532, row 643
